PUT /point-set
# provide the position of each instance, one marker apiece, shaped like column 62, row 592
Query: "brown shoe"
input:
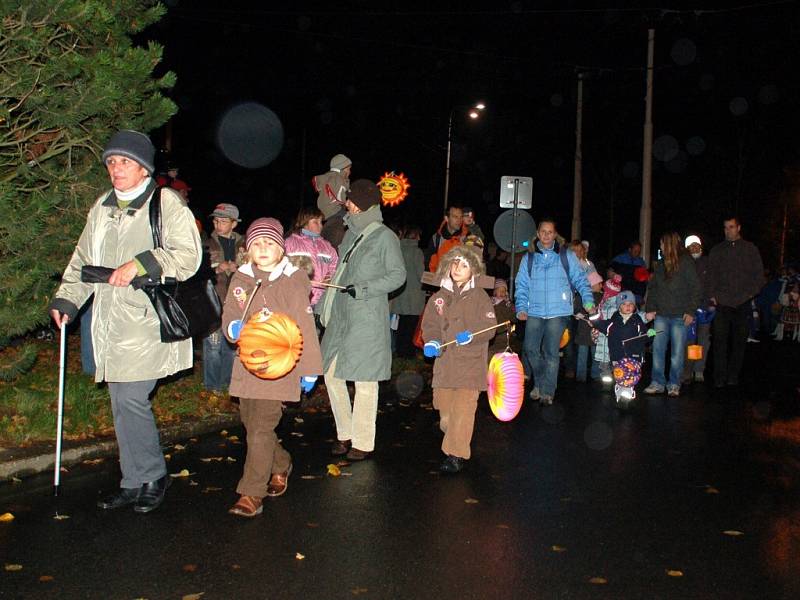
column 340, row 447
column 247, row 507
column 356, row 454
column 278, row 483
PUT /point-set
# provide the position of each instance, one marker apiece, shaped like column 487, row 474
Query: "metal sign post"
column 515, row 193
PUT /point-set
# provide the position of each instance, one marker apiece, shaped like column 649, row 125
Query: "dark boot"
column 452, row 464
column 124, row 497
column 340, row 447
column 152, row 495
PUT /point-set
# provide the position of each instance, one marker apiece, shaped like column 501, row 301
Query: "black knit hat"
column 364, row 194
column 134, row 145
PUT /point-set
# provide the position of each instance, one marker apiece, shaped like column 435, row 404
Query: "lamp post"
column 474, row 113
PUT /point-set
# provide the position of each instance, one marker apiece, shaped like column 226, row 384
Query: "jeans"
column 218, row 357
column 729, row 338
column 673, row 332
column 542, row 338
column 584, row 353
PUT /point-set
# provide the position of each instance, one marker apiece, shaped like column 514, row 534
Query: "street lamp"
column 474, row 113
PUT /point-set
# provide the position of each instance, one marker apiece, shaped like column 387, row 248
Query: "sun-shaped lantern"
column 394, row 188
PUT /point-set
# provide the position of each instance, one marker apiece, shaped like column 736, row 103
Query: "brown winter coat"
column 285, row 290
column 216, row 256
column 448, row 312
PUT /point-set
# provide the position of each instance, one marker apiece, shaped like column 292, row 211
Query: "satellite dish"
column 526, row 228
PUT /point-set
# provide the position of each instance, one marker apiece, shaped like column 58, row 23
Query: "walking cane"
column 62, row 363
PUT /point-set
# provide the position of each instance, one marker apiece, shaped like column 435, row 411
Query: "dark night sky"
column 377, row 81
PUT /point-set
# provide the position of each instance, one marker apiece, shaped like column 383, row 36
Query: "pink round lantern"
column 506, row 385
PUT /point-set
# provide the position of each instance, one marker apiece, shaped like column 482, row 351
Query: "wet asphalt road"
column 576, row 500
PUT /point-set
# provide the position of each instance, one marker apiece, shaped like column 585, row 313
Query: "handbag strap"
column 155, row 217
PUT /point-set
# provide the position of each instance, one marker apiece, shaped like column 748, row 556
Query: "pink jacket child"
column 322, row 254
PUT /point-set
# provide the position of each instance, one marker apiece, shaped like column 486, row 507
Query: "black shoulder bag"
column 185, row 308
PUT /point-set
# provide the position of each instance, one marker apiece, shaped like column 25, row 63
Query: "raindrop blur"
column 695, row 145
column 303, row 23
column 553, row 413
column 409, row 385
column 556, row 100
column 678, row 164
column 250, row 135
column 598, row 436
column 769, row 94
column 707, row 82
column 665, row 148
column 683, row 52
column 630, row 170
column 738, row 106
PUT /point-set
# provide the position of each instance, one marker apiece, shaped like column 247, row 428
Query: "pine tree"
column 70, row 75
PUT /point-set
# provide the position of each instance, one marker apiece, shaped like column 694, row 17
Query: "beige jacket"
column 125, row 328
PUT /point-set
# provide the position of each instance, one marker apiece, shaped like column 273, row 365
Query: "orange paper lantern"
column 270, row 345
column 694, row 352
column 564, row 339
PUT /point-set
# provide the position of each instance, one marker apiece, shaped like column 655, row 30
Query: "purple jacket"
column 322, row 255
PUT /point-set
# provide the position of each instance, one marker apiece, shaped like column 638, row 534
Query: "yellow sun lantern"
column 394, row 188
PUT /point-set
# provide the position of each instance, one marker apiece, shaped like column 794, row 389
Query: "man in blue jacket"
column 544, row 288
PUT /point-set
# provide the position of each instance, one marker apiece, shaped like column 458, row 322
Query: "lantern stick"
column 331, row 285
column 503, row 324
column 636, row 337
column 253, row 295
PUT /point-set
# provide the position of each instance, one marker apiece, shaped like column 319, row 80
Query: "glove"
column 350, row 289
column 307, row 383
column 651, row 333
column 463, row 338
column 432, row 349
column 235, row 329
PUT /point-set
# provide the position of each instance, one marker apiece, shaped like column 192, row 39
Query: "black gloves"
column 350, row 289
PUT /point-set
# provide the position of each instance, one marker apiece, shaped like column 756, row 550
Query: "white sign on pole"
column 524, row 191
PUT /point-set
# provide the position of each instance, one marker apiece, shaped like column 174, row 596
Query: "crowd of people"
column 358, row 292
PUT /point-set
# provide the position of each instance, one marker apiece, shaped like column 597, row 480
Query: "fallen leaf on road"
column 12, row 567
column 471, row 501
column 230, row 459
column 6, row 518
column 181, row 473
column 179, row 447
column 299, row 420
column 359, row 590
column 61, row 517
column 233, row 438
column 346, row 474
column 712, row 490
column 733, row 532
column 193, row 483
column 211, row 488
column 334, row 471
column 598, row 580
column 235, row 567
column 296, row 434
column 93, row 461
column 224, row 432
column 189, row 568
column 674, row 573
column 46, row 578
column 210, row 458
column 309, row 477
column 193, row 440
column 16, row 480
column 64, row 470
column 312, row 525
column 167, row 456
column 196, row 596
column 558, row 548
column 299, row 556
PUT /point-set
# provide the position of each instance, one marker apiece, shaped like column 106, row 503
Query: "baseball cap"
column 226, row 211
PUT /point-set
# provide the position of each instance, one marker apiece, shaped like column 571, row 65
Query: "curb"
column 39, row 463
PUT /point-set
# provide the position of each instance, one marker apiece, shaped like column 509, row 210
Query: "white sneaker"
column 753, row 340
column 699, row 377
column 673, row 391
column 534, row 395
column 654, row 388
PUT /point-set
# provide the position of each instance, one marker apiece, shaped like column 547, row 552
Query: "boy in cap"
column 333, row 188
column 469, row 222
column 627, row 333
column 226, row 251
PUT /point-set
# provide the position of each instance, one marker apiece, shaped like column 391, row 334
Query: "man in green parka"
column 356, row 345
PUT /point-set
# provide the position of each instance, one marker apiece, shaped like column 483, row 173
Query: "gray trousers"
column 140, row 457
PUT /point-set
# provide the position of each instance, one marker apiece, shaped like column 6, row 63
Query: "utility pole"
column 646, row 216
column 577, row 200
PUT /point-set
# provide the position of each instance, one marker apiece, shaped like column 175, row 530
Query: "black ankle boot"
column 124, row 497
column 152, row 495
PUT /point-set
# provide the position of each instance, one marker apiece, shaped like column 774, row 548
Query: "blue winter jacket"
column 546, row 293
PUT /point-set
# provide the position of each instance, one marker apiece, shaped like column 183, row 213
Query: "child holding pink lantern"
column 451, row 316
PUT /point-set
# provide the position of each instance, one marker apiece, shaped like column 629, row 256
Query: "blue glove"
column 463, row 338
column 235, row 329
column 432, row 349
column 307, row 383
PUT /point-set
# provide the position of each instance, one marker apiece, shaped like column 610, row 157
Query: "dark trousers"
column 729, row 339
column 405, row 336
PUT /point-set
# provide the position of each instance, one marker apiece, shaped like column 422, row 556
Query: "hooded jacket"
column 126, row 332
column 547, row 292
column 357, row 329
